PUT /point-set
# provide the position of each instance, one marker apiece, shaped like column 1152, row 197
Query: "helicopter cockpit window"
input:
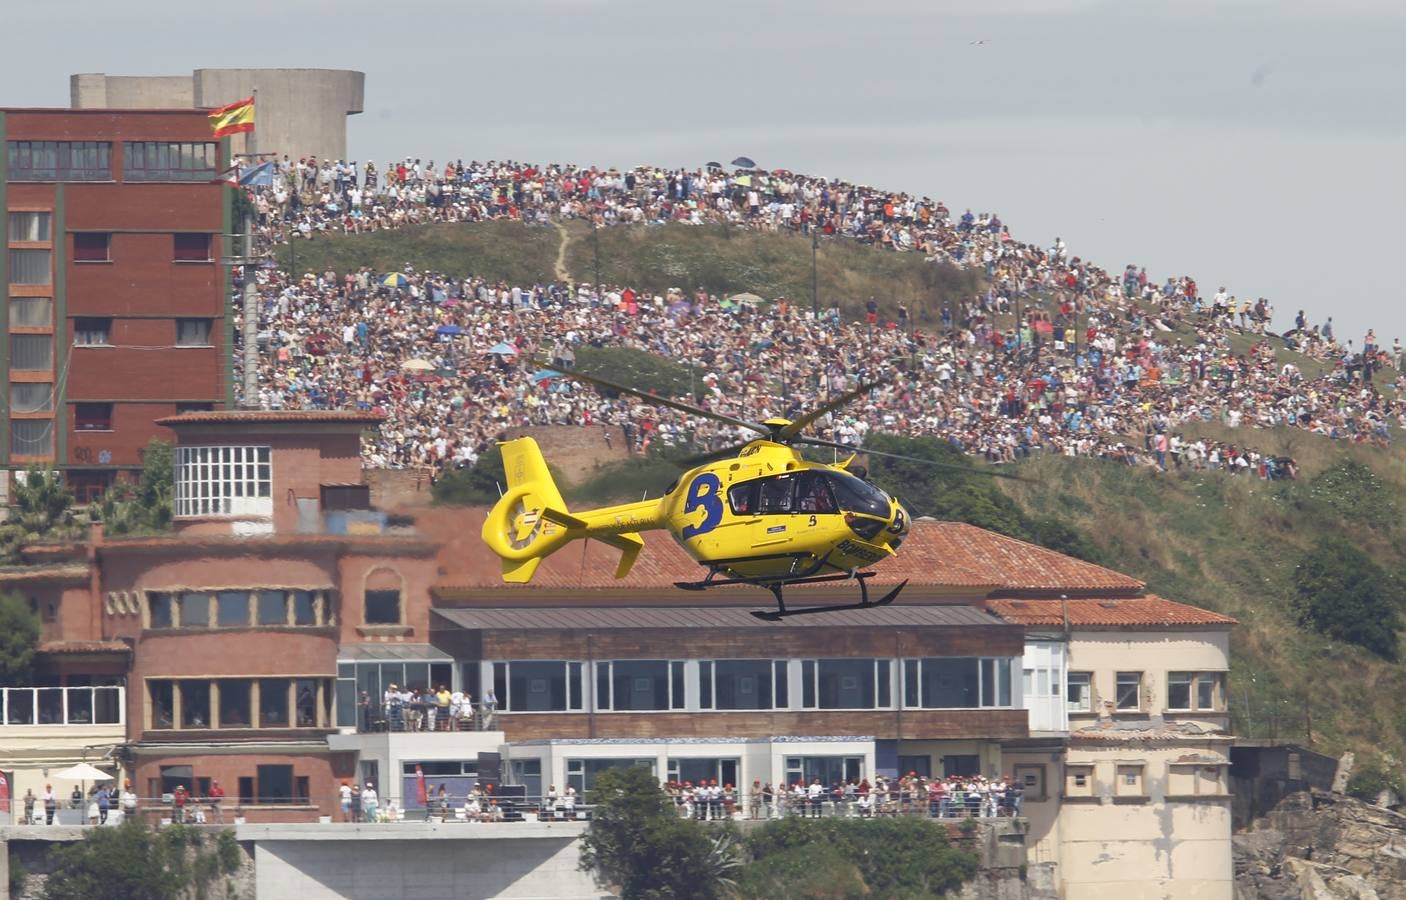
column 743, row 498
column 813, row 494
column 859, row 496
column 775, row 495
column 803, row 492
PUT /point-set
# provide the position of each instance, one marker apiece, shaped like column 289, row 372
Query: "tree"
column 639, row 847
column 955, row 489
column 476, row 485
column 902, row 857
column 145, row 507
column 42, row 511
column 1342, row 594
column 135, row 862
column 19, row 633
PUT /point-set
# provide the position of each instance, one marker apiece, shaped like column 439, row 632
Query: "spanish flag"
column 236, row 118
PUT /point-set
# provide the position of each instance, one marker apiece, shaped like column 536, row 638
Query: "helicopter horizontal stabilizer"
column 520, row 572
column 629, row 546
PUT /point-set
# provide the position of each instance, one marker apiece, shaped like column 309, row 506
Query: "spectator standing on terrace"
column 344, row 796
column 369, row 802
column 51, row 804
column 217, row 796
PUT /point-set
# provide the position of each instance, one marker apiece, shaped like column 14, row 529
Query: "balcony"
column 48, row 707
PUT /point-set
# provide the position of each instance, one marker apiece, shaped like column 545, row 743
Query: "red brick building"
column 115, row 292
column 258, row 645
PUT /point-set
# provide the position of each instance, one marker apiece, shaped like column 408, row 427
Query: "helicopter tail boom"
column 531, row 521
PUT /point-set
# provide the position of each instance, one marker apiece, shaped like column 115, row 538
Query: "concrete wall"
column 520, row 860
column 301, row 112
column 98, row 91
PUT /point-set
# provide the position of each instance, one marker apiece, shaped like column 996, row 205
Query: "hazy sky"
column 1258, row 144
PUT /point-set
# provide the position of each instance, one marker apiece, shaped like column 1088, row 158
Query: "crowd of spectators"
column 1056, row 356
column 955, row 796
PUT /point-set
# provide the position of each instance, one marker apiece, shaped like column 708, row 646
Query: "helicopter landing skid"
column 781, row 612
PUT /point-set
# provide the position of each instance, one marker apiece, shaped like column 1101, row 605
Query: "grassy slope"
column 1228, row 544
column 1231, row 544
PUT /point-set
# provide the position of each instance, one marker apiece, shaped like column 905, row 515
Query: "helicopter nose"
column 899, row 524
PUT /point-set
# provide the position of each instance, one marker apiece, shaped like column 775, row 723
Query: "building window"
column 60, row 160
column 275, row 784
column 1032, row 781
column 1079, row 781
column 32, row 437
column 91, row 331
column 222, row 481
column 1129, row 780
column 827, row 769
column 92, row 246
column 581, row 773
column 232, row 609
column 273, row 608
column 1194, row 691
column 31, row 352
column 304, row 607
column 92, row 417
column 639, row 685
column 31, row 267
column 273, row 702
column 1080, row 695
column 192, row 332
column 539, row 685
column 192, row 247
column 235, row 711
column 31, row 396
column 169, row 161
column 29, row 227
column 161, row 700
column 736, row 684
column 195, row 704
column 160, row 606
column 183, row 408
column 958, row 682
column 383, row 607
column 31, row 312
column 1129, row 693
column 194, row 609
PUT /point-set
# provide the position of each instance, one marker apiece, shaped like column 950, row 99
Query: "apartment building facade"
column 115, row 293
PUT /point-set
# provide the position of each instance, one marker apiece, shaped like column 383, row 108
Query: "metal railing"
column 47, row 706
column 423, row 717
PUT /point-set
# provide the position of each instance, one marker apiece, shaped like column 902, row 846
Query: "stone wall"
column 1316, row 845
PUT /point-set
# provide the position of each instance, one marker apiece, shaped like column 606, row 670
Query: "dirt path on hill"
column 560, row 266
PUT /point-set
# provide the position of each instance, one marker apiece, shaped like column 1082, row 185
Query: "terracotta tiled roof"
column 272, row 417
column 940, row 555
column 1148, row 610
column 83, row 647
column 1009, row 563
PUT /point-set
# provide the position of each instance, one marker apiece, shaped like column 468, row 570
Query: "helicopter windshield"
column 802, row 492
column 858, row 496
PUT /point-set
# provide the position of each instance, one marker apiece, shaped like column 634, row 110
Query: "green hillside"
column 1231, row 544
column 723, row 260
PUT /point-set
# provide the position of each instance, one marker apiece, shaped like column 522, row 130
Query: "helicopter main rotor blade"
column 701, row 459
column 955, row 467
column 788, row 434
column 656, row 399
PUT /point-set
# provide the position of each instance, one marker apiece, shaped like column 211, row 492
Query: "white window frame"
column 1087, row 680
column 203, row 489
column 712, row 674
column 996, row 665
column 1194, row 682
column 505, row 698
column 678, row 693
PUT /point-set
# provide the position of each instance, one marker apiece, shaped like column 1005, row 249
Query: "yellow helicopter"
column 758, row 513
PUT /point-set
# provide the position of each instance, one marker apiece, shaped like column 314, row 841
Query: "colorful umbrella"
column 503, row 350
column 744, row 162
column 544, row 375
column 449, row 329
column 395, row 280
column 417, row 365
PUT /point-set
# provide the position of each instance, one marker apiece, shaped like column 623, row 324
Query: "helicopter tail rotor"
column 530, row 521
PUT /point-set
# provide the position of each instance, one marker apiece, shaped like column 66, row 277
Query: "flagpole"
column 251, row 286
